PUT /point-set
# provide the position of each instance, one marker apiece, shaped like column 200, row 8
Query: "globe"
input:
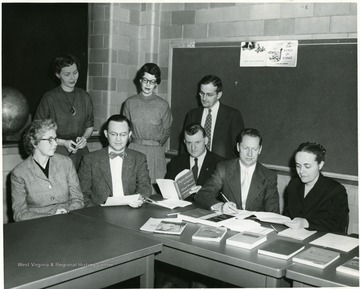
column 15, row 110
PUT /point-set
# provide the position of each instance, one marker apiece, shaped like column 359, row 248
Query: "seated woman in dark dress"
column 313, row 201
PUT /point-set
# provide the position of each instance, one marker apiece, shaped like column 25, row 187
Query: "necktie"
column 113, row 155
column 207, row 128
column 195, row 169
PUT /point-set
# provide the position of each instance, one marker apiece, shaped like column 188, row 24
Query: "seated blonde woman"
column 45, row 183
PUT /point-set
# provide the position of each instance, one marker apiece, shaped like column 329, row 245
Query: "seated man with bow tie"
column 115, row 170
column 244, row 183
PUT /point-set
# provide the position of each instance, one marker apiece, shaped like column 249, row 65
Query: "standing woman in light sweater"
column 151, row 118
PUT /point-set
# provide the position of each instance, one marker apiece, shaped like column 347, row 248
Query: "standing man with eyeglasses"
column 221, row 122
column 114, row 171
column 242, row 183
column 151, row 118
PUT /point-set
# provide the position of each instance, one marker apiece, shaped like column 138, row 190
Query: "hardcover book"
column 282, row 249
column 350, row 267
column 172, row 228
column 247, row 240
column 316, row 257
column 209, row 233
column 181, row 188
column 205, row 217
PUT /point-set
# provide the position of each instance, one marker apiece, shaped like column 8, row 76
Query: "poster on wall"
column 269, row 53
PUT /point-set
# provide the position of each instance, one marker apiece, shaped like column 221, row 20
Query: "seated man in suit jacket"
column 245, row 183
column 221, row 122
column 195, row 140
column 114, row 170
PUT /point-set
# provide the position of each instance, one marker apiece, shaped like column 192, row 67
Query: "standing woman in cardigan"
column 151, row 118
column 70, row 107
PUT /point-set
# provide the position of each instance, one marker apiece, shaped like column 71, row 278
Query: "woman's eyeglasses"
column 51, row 140
column 146, row 81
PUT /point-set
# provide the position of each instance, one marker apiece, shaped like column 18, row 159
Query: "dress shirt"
column 116, row 173
column 214, row 112
column 245, row 181
column 200, row 161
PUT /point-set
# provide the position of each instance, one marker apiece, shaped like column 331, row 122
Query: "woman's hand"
column 71, row 146
column 81, row 142
column 60, row 211
column 297, row 223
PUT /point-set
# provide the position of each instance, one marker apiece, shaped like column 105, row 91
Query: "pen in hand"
column 225, row 198
column 274, row 228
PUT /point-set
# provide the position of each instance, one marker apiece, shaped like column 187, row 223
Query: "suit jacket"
column 96, row 179
column 228, row 124
column 181, row 162
column 34, row 195
column 325, row 206
column 263, row 194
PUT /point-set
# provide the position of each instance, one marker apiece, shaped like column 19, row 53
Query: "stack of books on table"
column 282, row 249
column 164, row 226
column 246, row 240
column 316, row 257
column 350, row 267
column 205, row 217
column 209, row 233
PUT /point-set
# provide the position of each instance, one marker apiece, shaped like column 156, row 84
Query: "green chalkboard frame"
column 315, row 101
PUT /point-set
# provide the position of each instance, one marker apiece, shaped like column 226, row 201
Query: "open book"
column 182, row 187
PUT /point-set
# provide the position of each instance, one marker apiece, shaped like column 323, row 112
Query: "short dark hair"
column 193, row 128
column 117, row 118
column 250, row 132
column 153, row 69
column 315, row 148
column 214, row 80
column 35, row 132
column 64, row 60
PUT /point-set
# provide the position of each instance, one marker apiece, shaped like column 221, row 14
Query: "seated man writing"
column 114, row 170
column 244, row 183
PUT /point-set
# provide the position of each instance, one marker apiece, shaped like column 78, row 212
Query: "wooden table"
column 241, row 267
column 70, row 251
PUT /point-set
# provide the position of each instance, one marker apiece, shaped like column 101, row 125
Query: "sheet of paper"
column 242, row 214
column 172, row 203
column 339, row 242
column 120, row 201
column 270, row 217
column 152, row 223
column 297, row 234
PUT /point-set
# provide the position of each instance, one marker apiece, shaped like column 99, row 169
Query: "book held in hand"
column 246, row 240
column 205, row 217
column 350, row 267
column 282, row 249
column 181, row 188
column 316, row 257
column 209, row 233
column 172, row 228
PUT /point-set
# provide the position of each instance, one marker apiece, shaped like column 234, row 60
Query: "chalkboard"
column 33, row 35
column 314, row 101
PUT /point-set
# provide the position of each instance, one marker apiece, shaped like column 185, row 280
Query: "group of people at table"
column 61, row 174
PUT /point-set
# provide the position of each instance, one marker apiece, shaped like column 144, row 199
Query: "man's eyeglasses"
column 146, row 81
column 51, row 139
column 203, row 94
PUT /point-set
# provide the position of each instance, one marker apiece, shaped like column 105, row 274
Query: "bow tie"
column 113, row 155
